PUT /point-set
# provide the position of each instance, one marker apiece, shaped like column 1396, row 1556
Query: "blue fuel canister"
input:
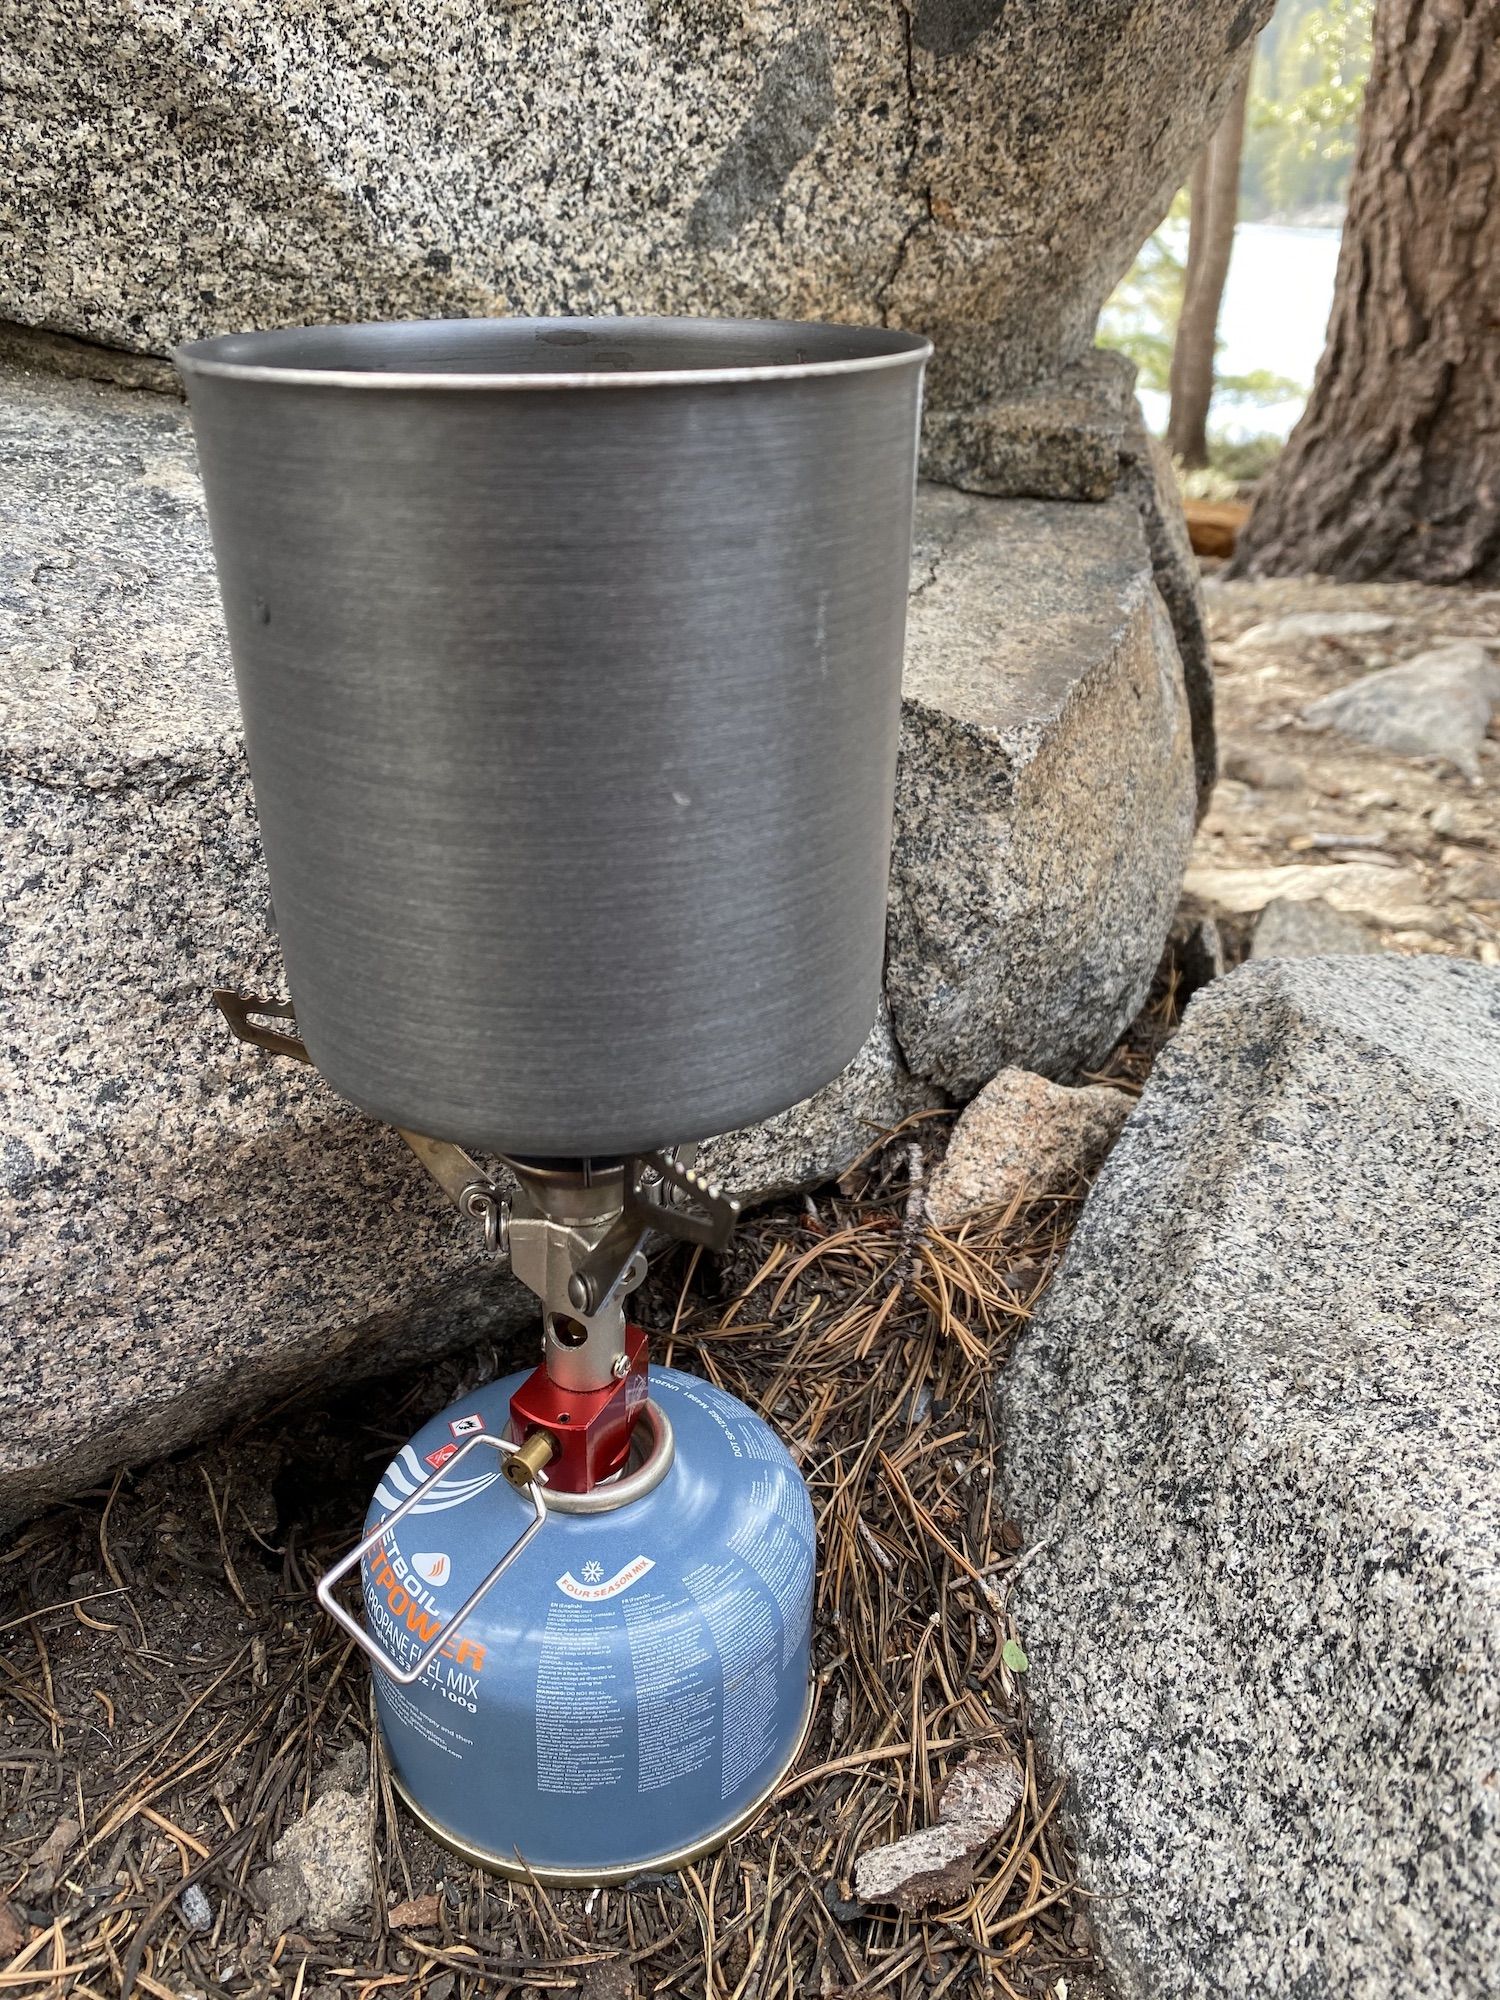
column 634, row 1687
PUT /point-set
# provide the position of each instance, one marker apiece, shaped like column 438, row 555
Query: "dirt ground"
column 172, row 1702
column 1408, row 846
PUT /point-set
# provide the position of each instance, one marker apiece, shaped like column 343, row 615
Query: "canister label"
column 595, row 1586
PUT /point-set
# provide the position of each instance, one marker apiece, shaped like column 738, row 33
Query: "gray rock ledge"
column 1046, row 797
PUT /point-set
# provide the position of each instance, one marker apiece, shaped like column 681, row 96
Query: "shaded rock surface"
column 1198, row 945
column 1147, row 477
column 190, row 1227
column 982, row 172
column 1438, row 705
column 1046, row 791
column 85, row 360
column 1309, row 929
column 1253, row 1425
column 1020, row 1138
column 1059, row 438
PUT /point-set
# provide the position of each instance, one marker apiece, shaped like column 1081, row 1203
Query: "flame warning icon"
column 432, row 1568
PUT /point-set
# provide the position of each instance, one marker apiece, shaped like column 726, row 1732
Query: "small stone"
column 1023, row 1137
column 918, row 1406
column 1473, row 882
column 47, row 1862
column 840, row 1906
column 321, row 1872
column 421, row 1913
column 1308, row 929
column 1446, row 820
column 1266, row 770
column 1375, row 801
column 1437, row 705
column 283, row 1897
column 197, row 1910
column 932, row 1867
column 1303, row 625
column 608, row 1980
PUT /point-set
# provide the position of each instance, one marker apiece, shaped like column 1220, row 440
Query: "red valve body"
column 590, row 1427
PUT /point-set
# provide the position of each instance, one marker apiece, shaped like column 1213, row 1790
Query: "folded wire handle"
column 404, row 1677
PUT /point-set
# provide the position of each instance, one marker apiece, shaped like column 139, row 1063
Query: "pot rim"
column 254, row 356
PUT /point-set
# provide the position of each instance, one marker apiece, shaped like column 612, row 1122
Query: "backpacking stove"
column 569, row 655
column 645, row 1664
column 650, row 1649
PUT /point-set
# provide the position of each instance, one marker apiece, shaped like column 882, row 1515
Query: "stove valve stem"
column 523, row 1464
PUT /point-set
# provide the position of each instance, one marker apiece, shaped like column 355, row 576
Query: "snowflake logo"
column 593, row 1572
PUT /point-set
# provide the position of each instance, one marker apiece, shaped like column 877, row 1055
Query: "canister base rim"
column 605, row 1878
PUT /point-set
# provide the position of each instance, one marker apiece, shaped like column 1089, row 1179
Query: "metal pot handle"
column 331, row 1578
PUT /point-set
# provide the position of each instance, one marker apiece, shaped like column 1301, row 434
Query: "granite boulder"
column 981, row 172
column 1252, row 1433
column 1047, row 788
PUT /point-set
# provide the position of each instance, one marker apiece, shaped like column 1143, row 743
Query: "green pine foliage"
column 1310, row 71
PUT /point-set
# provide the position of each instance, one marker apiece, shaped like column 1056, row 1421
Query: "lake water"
column 1274, row 316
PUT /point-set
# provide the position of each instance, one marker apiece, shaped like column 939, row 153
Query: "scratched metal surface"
column 571, row 696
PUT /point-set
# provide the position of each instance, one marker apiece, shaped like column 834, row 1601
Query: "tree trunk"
column 1214, row 200
column 1188, row 335
column 1394, row 470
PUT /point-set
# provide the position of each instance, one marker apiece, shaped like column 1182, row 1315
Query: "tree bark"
column 1214, row 200
column 1394, row 469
